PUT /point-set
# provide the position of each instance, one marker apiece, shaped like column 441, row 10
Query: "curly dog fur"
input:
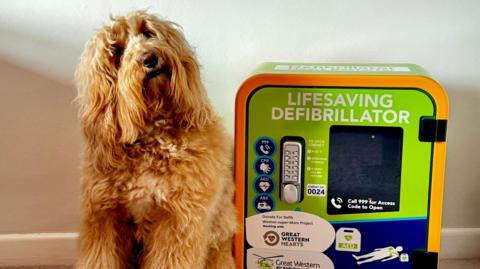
column 157, row 188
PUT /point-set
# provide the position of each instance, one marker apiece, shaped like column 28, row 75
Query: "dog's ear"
column 96, row 98
column 189, row 95
column 187, row 91
column 131, row 109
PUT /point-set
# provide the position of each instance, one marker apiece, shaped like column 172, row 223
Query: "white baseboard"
column 60, row 248
column 37, row 249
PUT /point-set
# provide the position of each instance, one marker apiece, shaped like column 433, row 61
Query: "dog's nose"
column 149, row 60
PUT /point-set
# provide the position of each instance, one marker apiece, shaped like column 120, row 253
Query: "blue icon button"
column 264, row 184
column 264, row 166
column 265, row 147
column 263, row 203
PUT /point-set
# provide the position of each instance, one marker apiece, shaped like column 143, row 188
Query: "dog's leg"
column 223, row 229
column 180, row 241
column 97, row 244
column 221, row 256
column 105, row 242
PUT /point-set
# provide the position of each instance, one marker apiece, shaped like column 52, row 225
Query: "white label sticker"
column 316, row 190
column 290, row 230
column 348, row 239
column 280, row 259
column 341, row 68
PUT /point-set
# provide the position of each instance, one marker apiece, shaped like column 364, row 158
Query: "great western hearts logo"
column 271, row 238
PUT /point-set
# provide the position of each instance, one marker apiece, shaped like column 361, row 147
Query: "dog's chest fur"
column 143, row 194
column 148, row 187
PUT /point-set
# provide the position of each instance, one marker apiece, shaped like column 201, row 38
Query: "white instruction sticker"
column 316, row 190
column 289, row 230
column 279, row 259
column 348, row 239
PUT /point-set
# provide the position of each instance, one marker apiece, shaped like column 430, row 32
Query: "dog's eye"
column 117, row 51
column 147, row 34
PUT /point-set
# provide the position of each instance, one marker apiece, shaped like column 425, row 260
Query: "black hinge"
column 422, row 259
column 432, row 130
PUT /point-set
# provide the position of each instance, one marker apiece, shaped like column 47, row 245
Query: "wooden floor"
column 446, row 264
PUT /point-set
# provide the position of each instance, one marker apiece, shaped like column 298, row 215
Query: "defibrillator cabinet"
column 339, row 166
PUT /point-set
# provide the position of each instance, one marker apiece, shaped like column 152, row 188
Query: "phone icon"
column 337, row 203
column 265, row 149
column 264, row 146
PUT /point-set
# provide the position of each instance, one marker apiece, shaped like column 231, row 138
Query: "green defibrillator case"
column 339, row 166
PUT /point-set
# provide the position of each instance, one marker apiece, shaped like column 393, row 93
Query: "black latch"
column 422, row 259
column 432, row 130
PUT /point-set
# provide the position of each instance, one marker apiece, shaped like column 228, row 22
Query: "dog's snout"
column 149, row 60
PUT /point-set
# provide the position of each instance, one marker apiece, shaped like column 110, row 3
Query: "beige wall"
column 39, row 176
column 39, row 154
column 462, row 179
column 40, row 144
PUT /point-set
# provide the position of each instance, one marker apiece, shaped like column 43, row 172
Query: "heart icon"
column 264, row 186
column 271, row 238
column 348, row 237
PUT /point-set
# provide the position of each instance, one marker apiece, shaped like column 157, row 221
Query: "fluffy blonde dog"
column 157, row 189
